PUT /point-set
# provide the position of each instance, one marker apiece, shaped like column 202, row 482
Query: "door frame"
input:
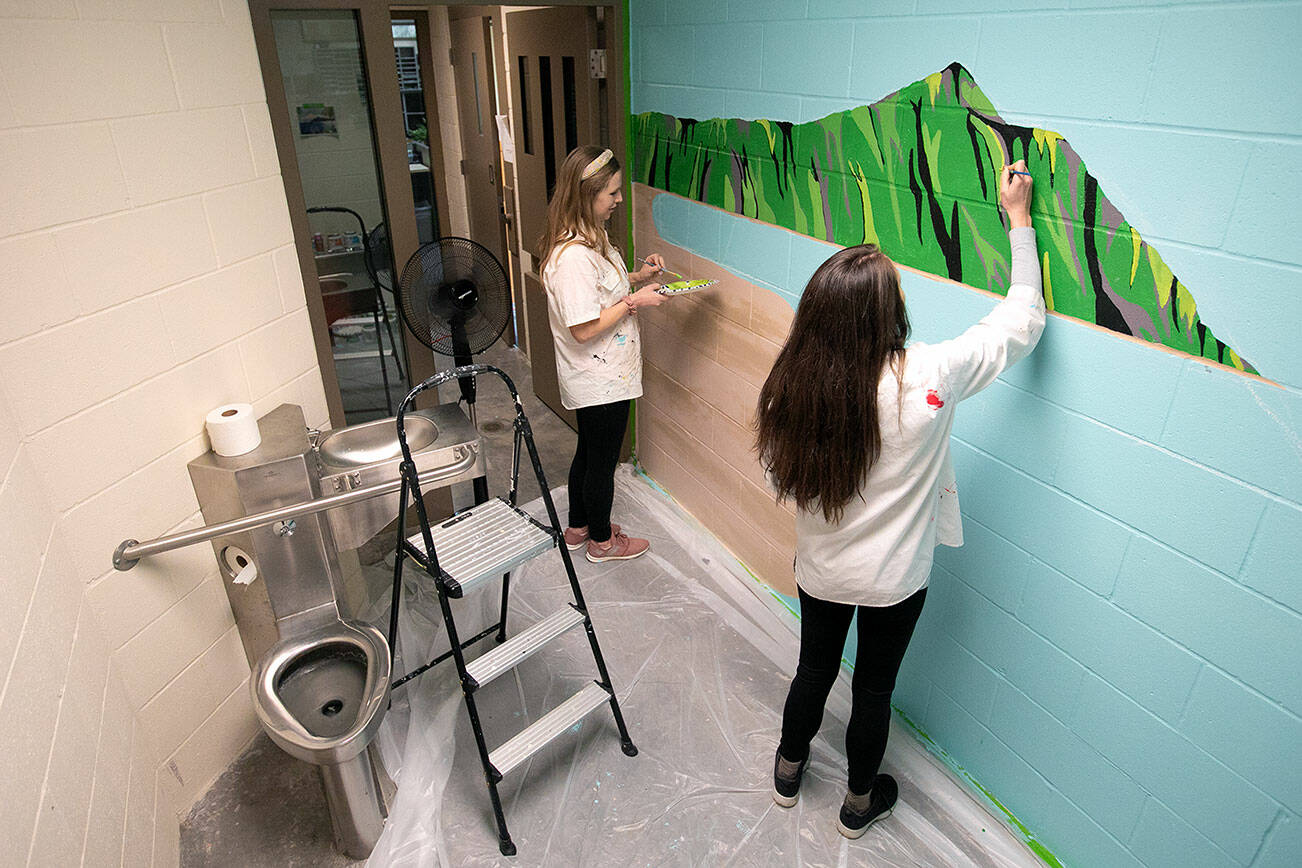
column 488, row 18
column 374, row 18
column 374, row 24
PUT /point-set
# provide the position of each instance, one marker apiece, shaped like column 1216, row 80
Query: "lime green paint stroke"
column 817, row 226
column 992, row 256
column 933, row 85
column 975, row 97
column 1135, row 242
column 931, row 144
column 869, row 230
column 934, row 749
column 1048, row 139
column 862, row 119
column 886, row 112
column 1056, row 228
column 1048, row 284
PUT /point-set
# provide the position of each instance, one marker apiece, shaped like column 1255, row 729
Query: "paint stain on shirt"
column 933, row 400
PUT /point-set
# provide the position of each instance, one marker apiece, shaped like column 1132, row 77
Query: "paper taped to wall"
column 504, row 138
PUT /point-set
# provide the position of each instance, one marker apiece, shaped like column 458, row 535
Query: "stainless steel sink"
column 441, row 439
column 372, row 442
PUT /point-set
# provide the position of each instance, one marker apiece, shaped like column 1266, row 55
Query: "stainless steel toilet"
column 321, row 696
column 278, row 518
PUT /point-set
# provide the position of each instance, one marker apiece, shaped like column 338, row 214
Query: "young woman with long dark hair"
column 592, row 310
column 854, row 428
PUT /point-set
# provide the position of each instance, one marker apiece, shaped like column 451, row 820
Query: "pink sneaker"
column 575, row 537
column 620, row 547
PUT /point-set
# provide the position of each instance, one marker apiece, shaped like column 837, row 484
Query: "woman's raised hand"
column 1015, row 194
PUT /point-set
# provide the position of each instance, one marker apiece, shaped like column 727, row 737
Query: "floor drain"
column 333, row 707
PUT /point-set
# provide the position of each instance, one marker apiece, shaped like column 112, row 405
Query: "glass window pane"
column 549, row 143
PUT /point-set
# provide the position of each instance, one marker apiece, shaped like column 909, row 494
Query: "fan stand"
column 464, row 296
column 458, row 284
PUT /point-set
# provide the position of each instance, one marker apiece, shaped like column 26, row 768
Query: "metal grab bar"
column 130, row 551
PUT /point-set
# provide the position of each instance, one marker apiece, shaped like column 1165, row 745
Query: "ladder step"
column 518, row 648
column 529, row 741
column 484, row 541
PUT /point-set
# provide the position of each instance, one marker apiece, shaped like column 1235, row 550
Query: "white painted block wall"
column 148, row 276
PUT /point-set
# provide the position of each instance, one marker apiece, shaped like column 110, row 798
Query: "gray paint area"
column 701, row 656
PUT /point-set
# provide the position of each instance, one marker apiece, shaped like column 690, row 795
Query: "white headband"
column 595, row 166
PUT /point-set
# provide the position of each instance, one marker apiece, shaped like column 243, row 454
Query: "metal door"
column 559, row 105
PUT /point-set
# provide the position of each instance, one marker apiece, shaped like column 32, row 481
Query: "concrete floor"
column 268, row 809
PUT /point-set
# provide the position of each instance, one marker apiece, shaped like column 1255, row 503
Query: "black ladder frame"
column 405, row 549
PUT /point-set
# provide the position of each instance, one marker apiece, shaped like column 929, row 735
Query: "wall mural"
column 918, row 174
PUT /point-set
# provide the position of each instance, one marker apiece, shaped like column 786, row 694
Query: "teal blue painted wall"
column 1114, row 654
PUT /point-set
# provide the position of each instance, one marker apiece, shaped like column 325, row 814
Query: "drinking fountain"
column 277, row 518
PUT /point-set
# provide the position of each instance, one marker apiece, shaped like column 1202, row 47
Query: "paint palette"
column 680, row 287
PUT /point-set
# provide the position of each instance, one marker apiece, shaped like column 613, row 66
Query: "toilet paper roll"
column 233, row 430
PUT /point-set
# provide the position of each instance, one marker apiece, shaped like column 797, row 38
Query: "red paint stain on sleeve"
column 933, row 400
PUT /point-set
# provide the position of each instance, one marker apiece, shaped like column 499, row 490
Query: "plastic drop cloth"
column 701, row 656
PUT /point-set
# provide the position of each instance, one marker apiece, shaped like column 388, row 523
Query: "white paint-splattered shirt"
column 881, row 551
column 580, row 284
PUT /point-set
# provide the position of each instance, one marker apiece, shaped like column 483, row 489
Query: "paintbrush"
column 660, row 267
column 1017, row 171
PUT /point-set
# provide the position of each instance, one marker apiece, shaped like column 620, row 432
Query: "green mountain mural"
column 917, row 173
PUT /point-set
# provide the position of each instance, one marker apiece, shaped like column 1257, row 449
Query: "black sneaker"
column 881, row 802
column 786, row 790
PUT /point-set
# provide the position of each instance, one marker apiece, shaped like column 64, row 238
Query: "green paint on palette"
column 678, row 287
column 917, row 173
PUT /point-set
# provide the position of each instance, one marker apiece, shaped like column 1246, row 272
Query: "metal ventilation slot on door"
column 548, row 134
column 526, row 140
column 571, row 110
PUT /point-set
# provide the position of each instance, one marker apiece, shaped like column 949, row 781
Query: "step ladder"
column 467, row 553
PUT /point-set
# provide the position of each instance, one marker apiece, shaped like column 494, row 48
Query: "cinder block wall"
column 149, row 276
column 1113, row 655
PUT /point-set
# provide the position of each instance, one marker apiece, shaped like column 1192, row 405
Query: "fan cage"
column 424, row 287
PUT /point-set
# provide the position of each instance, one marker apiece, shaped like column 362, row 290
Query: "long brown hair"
column 569, row 213
column 818, row 427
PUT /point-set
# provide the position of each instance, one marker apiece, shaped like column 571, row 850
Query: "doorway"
column 355, row 90
column 344, row 84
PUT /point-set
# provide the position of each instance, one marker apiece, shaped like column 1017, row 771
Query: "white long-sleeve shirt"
column 882, row 549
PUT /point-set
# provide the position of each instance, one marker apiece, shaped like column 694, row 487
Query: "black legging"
column 592, row 472
column 884, row 633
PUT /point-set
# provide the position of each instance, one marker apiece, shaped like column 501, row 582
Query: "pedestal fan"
column 454, row 297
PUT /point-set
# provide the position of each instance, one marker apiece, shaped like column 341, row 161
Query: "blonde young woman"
column 593, row 309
